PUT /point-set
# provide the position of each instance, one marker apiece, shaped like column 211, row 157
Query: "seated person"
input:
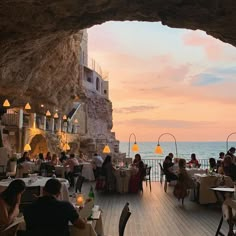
column 72, row 162
column 40, row 159
column 63, row 157
column 231, row 152
column 229, row 168
column 107, row 170
column 10, row 200
column 24, row 158
column 136, row 179
column 212, row 163
column 168, row 169
column 48, row 157
column 83, row 157
column 54, row 160
column 193, row 162
column 221, row 156
column 49, row 216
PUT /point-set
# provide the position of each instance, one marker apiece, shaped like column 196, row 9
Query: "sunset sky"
column 167, row 80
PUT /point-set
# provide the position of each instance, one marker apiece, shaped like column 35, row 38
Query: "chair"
column 147, row 177
column 77, row 170
column 162, row 173
column 50, row 170
column 125, row 214
column 79, row 183
column 2, row 172
column 30, row 194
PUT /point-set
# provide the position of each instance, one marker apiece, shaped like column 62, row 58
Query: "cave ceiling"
column 35, row 36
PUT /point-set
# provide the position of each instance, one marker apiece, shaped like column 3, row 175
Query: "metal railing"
column 10, row 119
column 156, row 172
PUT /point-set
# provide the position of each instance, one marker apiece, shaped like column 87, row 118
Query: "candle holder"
column 80, row 200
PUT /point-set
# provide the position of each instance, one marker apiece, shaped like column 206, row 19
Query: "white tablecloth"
column 123, row 177
column 87, row 171
column 26, row 167
column 192, row 171
column 40, row 181
column 208, row 181
column 92, row 228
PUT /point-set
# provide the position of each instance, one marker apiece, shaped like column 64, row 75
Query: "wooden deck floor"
column 157, row 213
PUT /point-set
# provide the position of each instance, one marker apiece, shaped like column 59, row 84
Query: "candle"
column 80, row 200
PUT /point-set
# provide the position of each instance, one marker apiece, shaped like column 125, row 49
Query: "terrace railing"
column 155, row 171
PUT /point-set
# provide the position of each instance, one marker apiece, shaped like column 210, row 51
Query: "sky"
column 164, row 79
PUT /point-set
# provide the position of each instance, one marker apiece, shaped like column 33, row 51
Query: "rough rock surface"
column 37, row 57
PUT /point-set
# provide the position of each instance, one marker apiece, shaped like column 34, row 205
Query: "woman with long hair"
column 135, row 183
column 10, row 200
column 108, row 171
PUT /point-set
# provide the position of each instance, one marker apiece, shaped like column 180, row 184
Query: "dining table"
column 207, row 181
column 35, row 180
column 123, row 175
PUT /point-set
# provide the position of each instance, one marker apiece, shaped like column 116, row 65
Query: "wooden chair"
column 79, row 183
column 147, row 177
column 125, row 214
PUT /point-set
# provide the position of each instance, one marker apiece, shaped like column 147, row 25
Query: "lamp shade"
column 56, row 115
column 6, row 103
column 27, row 147
column 66, row 147
column 27, row 106
column 135, row 147
column 158, row 149
column 48, row 113
column 106, row 149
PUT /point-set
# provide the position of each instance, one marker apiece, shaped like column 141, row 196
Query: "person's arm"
column 79, row 223
column 5, row 217
column 73, row 216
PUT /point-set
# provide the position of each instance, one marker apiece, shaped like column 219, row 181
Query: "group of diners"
column 46, row 165
column 45, row 216
column 171, row 166
column 105, row 172
column 225, row 165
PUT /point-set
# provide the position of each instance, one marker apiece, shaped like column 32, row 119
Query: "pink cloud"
column 213, row 48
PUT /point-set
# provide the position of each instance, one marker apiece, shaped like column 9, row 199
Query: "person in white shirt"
column 98, row 161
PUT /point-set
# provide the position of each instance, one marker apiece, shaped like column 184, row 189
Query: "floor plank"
column 157, row 213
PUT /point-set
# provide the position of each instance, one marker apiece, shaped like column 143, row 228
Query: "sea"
column 203, row 150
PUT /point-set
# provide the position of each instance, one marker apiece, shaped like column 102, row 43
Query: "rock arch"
column 39, row 39
column 38, row 144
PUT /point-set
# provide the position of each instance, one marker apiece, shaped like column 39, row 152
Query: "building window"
column 89, row 79
column 105, row 91
column 97, row 84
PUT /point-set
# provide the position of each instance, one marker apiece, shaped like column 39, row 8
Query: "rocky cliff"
column 38, row 38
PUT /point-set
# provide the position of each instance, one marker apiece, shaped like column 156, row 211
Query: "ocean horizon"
column 203, row 150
